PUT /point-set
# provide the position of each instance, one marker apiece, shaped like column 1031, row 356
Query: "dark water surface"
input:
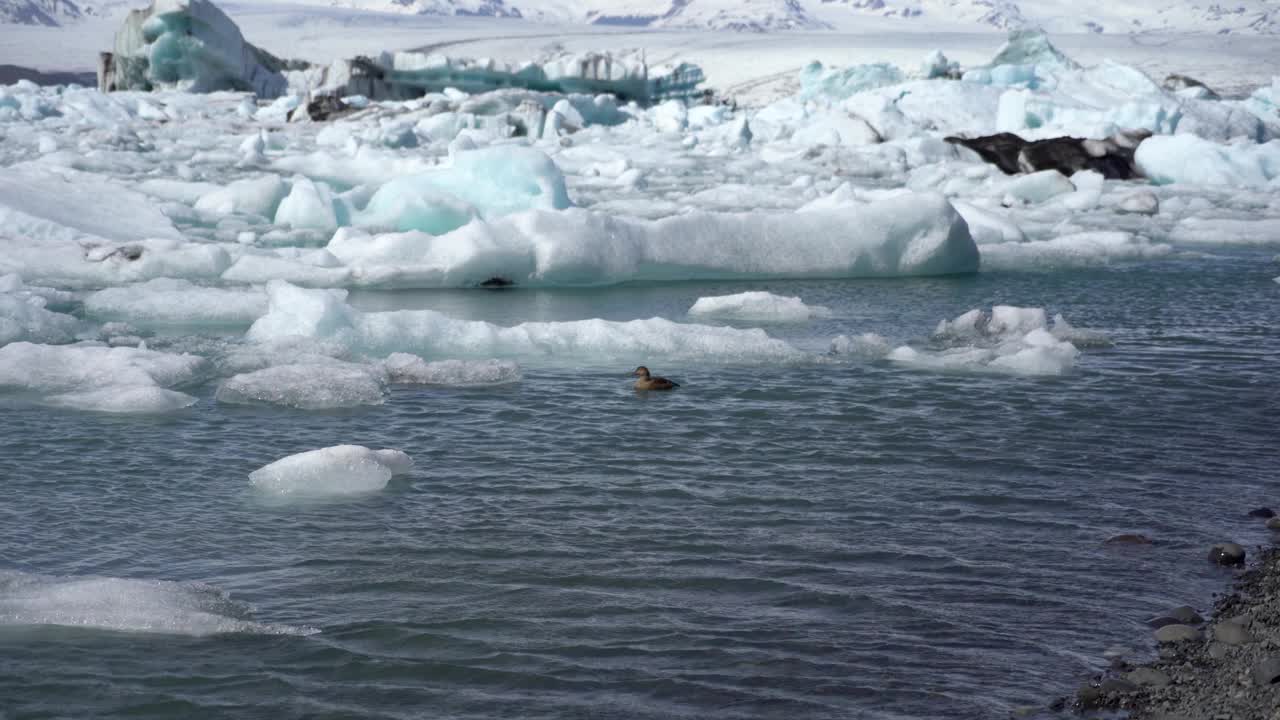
column 822, row 540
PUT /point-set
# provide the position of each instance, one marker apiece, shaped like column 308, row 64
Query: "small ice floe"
column 757, row 307
column 332, row 471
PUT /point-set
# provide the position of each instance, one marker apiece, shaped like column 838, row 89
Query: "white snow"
column 332, row 471
column 757, row 306
column 132, row 605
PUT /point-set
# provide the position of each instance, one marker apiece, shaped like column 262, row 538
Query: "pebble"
column 1177, row 633
column 1262, row 512
column 1227, row 554
column 1149, row 677
column 1267, row 672
column 1217, row 650
column 1231, row 633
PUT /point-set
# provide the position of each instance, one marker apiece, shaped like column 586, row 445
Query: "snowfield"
column 240, row 224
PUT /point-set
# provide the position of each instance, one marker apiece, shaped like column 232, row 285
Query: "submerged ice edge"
column 128, row 605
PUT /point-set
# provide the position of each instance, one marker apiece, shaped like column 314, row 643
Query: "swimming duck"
column 648, row 382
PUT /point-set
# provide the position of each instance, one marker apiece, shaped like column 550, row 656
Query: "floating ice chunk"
column 911, row 234
column 1038, row 187
column 126, row 605
column 337, row 470
column 758, row 307
column 309, row 386
column 297, row 313
column 823, row 84
column 27, row 319
column 411, row 369
column 177, row 302
column 38, row 204
column 308, row 205
column 1080, row 337
column 92, row 377
column 671, row 116
column 867, row 345
column 487, row 183
column 936, row 65
column 1142, row 202
column 1009, row 339
column 254, row 196
column 987, row 227
column 1088, row 249
column 1192, row 160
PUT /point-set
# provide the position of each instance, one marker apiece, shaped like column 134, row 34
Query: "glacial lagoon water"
column 842, row 538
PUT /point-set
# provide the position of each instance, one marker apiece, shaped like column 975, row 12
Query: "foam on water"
column 126, row 605
column 337, row 470
column 757, row 306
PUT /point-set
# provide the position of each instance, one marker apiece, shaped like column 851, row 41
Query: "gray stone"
column 1217, row 650
column 1227, row 554
column 1267, row 672
column 1231, row 633
column 1274, row 523
column 1183, row 614
column 1148, row 677
column 1177, row 633
column 1117, row 686
column 1089, row 698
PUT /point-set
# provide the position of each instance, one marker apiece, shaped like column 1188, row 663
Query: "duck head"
column 641, row 371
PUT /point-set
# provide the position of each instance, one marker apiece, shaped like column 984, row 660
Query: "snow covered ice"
column 332, row 471
column 758, row 306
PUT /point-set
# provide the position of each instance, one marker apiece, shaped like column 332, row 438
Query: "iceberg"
column 486, row 183
column 1192, row 160
column 187, row 45
column 907, row 235
column 332, row 471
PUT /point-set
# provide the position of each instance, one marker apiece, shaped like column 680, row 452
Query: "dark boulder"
column 1262, row 512
column 1227, row 554
column 1112, row 158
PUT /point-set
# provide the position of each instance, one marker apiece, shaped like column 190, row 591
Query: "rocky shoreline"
column 1224, row 669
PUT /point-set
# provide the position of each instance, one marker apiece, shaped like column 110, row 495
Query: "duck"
column 648, row 382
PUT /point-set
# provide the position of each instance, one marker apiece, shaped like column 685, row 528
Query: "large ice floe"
column 127, row 605
column 331, row 471
column 299, row 314
column 95, row 377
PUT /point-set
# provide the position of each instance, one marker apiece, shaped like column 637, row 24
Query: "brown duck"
column 648, row 382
